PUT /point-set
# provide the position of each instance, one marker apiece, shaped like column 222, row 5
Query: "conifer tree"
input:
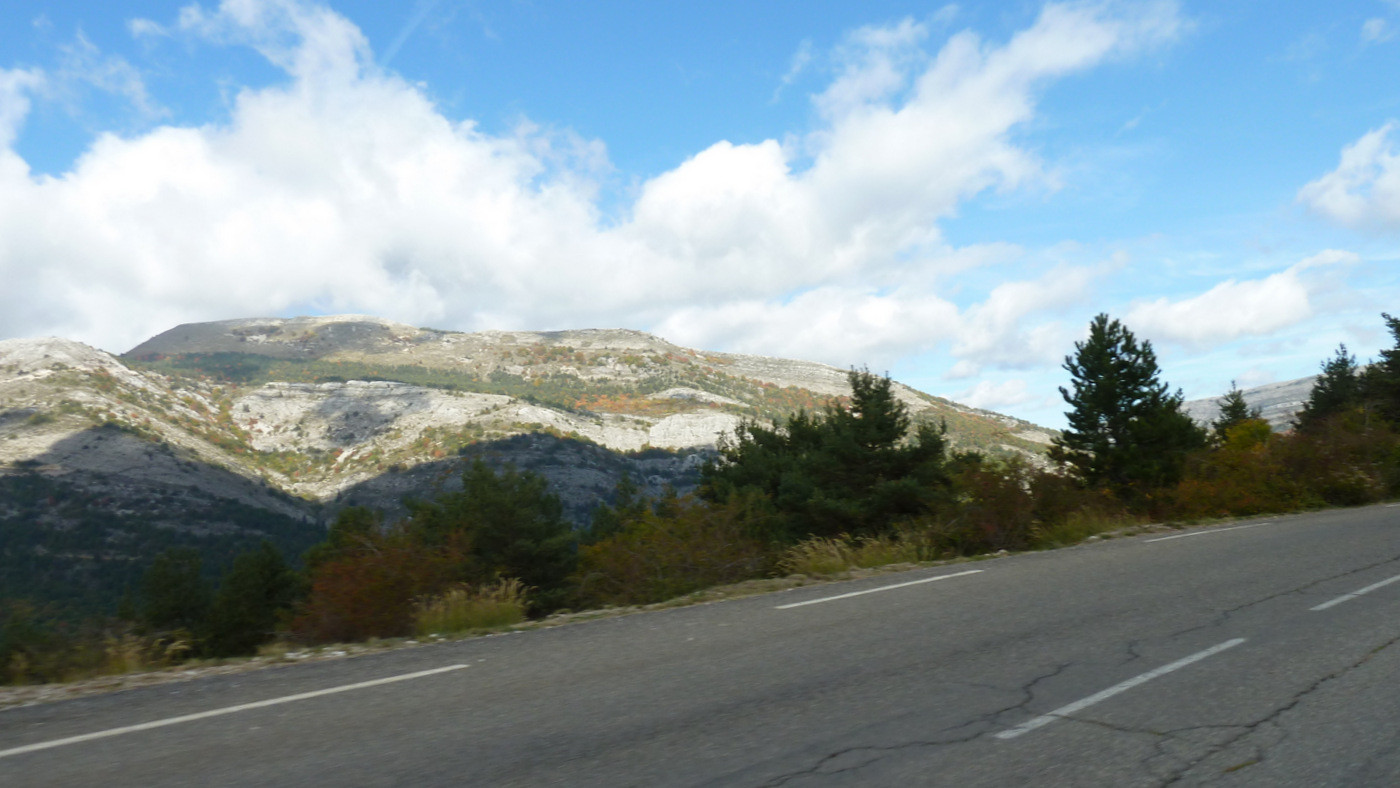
column 174, row 594
column 514, row 527
column 854, row 469
column 1126, row 431
column 1381, row 381
column 252, row 593
column 1234, row 411
column 1336, row 391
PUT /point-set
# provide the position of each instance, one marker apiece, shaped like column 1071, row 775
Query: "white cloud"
column 1364, row 189
column 16, row 86
column 992, row 333
column 146, row 28
column 841, row 326
column 990, row 395
column 800, row 60
column 83, row 63
column 345, row 189
column 1234, row 309
column 1376, row 31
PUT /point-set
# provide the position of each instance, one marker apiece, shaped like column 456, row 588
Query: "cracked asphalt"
column 908, row 686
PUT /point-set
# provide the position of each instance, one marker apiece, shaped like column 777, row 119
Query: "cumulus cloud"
column 992, row 333
column 1234, row 309
column 1364, row 189
column 343, row 188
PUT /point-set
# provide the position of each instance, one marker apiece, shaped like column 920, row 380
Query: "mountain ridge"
column 217, row 435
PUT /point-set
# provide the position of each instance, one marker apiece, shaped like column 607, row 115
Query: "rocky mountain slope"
column 220, row 434
column 1278, row 403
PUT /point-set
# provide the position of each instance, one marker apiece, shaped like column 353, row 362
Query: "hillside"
column 219, row 434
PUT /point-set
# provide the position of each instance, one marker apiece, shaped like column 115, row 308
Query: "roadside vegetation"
column 854, row 484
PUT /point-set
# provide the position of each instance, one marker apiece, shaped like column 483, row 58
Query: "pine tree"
column 514, row 527
column 848, row 469
column 1234, row 411
column 252, row 593
column 1381, row 381
column 1336, row 391
column 174, row 594
column 1126, row 431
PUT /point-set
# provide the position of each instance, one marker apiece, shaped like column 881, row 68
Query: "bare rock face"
column 1278, row 403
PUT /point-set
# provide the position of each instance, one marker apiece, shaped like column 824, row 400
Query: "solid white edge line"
column 145, row 726
column 1204, row 532
column 873, row 590
column 1065, row 711
column 1368, row 589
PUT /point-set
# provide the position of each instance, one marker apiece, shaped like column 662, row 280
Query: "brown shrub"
column 371, row 591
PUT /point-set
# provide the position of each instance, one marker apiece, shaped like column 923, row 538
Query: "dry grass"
column 464, row 608
column 824, row 557
column 1079, row 526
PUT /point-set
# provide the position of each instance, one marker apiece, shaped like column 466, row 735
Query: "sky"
column 947, row 193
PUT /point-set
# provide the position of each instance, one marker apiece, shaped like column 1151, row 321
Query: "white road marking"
column 1368, row 589
column 1065, row 711
column 145, row 726
column 1206, row 531
column 881, row 588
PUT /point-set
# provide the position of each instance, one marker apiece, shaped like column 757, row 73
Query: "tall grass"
column 464, row 608
column 821, row 556
column 1080, row 525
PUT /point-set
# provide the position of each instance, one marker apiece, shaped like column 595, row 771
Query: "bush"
column 688, row 546
column 995, row 508
column 371, row 592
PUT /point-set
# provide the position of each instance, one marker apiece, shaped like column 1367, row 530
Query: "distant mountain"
column 1278, row 403
column 220, row 434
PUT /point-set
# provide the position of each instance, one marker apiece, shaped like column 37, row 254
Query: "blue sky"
column 947, row 192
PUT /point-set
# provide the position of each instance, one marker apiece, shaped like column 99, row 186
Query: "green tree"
column 1336, row 391
column 1126, row 431
column 174, row 593
column 1381, row 381
column 253, row 593
column 851, row 469
column 514, row 526
column 1234, row 411
column 628, row 506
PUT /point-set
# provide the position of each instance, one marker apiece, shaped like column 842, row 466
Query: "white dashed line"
column 1368, row 589
column 1203, row 533
column 145, row 726
column 881, row 588
column 1079, row 705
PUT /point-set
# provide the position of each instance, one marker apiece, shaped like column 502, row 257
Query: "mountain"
column 217, row 435
column 1278, row 403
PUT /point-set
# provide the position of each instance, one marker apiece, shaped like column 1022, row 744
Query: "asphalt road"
column 1259, row 653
